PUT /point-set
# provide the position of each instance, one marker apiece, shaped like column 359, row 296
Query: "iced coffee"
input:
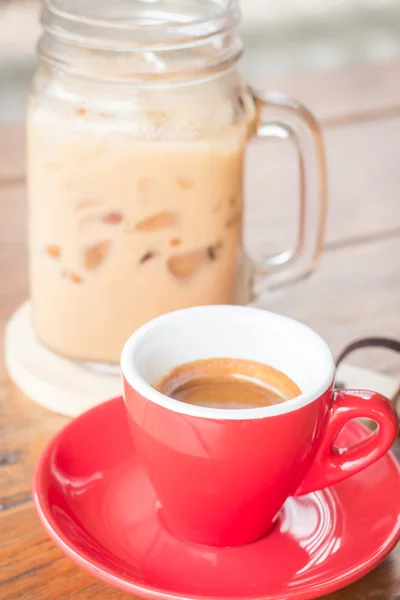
column 124, row 228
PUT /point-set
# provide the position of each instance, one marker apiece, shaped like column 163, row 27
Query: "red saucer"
column 97, row 503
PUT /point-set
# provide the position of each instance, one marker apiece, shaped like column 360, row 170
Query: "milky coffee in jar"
column 137, row 127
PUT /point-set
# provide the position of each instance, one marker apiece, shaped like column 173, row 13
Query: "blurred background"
column 281, row 37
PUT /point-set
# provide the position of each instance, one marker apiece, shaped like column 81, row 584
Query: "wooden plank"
column 358, row 92
column 24, row 430
column 34, row 569
column 12, row 152
column 13, row 249
column 363, row 178
column 354, row 294
column 13, row 214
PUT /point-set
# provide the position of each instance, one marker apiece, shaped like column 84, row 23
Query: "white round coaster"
column 57, row 383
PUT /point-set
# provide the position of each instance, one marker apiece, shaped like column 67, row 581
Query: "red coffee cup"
column 222, row 475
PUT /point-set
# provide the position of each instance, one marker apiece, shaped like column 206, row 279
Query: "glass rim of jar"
column 122, row 27
column 160, row 32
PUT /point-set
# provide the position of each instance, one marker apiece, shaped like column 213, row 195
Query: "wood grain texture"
column 354, row 293
column 363, row 183
column 34, row 569
column 12, row 153
column 359, row 93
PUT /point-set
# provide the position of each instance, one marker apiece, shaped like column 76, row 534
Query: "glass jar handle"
column 282, row 117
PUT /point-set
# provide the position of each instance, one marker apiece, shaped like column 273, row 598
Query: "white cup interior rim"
column 227, row 331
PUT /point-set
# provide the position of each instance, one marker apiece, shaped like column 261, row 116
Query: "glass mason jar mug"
column 137, row 127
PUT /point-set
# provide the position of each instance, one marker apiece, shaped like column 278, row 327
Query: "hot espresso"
column 229, row 383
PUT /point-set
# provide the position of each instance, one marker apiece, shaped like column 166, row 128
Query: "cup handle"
column 282, row 117
column 332, row 464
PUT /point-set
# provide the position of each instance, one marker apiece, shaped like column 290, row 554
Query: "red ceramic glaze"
column 95, row 499
column 223, row 475
column 223, row 482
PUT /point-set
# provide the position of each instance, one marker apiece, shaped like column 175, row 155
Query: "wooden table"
column 355, row 292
